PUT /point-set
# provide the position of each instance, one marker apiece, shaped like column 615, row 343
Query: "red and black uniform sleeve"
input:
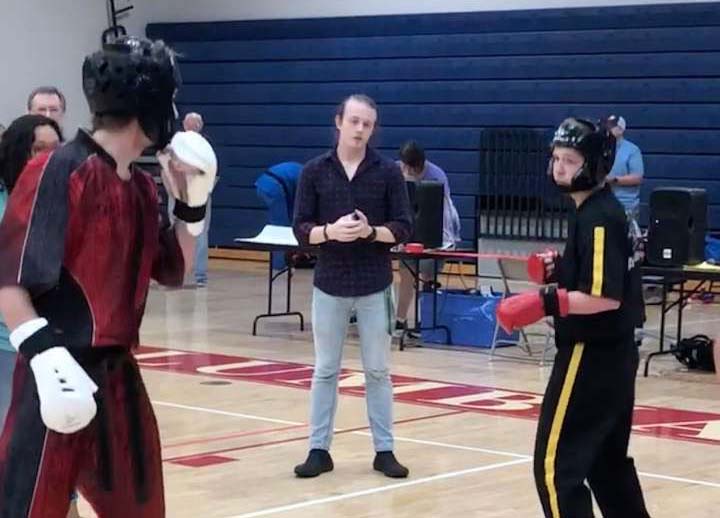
column 169, row 264
column 32, row 231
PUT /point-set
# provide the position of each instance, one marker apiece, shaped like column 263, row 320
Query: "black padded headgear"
column 597, row 146
column 134, row 77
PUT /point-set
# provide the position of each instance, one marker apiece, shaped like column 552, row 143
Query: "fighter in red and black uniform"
column 81, row 240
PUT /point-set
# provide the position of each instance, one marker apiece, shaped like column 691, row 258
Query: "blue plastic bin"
column 469, row 316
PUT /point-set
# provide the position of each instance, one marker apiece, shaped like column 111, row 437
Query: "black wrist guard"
column 188, row 214
column 40, row 341
column 550, row 300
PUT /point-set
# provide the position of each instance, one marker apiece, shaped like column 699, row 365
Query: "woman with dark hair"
column 25, row 138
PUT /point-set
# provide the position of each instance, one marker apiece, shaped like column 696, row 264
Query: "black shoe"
column 317, row 462
column 388, row 465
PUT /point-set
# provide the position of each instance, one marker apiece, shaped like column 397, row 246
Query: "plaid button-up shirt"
column 325, row 194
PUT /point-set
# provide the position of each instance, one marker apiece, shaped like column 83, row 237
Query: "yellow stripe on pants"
column 556, row 427
column 598, row 261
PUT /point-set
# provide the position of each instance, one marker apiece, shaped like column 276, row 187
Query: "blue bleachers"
column 268, row 89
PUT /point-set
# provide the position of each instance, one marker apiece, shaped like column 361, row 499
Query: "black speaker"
column 678, row 219
column 426, row 200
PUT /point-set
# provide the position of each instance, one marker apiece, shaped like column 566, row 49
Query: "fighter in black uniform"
column 585, row 421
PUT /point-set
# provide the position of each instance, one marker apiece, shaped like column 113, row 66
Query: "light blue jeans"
column 200, row 267
column 330, row 316
column 202, row 248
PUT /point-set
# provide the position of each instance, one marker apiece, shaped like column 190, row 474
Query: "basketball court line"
column 679, row 479
column 381, row 489
column 214, row 453
column 225, row 413
column 209, row 439
column 337, row 431
column 519, row 458
column 451, row 446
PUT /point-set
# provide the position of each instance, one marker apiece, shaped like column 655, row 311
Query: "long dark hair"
column 16, row 146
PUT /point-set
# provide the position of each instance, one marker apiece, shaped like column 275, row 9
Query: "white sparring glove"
column 64, row 389
column 191, row 189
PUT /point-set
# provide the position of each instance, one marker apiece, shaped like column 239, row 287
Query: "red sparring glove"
column 541, row 266
column 527, row 308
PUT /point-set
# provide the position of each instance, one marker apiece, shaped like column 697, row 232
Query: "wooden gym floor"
column 233, row 411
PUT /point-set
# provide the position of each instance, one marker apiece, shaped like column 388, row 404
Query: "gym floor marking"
column 381, row 489
column 517, row 460
column 189, row 459
column 661, row 422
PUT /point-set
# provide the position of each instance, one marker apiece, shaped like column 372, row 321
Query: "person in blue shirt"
column 627, row 172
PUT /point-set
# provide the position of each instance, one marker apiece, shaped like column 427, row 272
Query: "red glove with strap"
column 541, row 266
column 527, row 308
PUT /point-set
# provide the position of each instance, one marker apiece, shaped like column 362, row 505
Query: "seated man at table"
column 416, row 168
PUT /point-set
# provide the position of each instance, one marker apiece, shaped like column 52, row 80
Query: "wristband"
column 32, row 337
column 325, row 233
column 550, row 300
column 184, row 212
column 555, row 301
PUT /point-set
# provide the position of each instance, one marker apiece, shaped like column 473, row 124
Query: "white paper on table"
column 272, row 235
